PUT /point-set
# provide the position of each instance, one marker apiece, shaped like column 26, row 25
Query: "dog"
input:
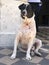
column 27, row 32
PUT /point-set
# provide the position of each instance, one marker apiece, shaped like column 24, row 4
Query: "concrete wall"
column 9, row 21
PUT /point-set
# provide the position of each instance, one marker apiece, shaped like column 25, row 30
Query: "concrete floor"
column 5, row 54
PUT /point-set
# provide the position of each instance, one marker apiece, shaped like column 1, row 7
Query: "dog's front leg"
column 28, row 56
column 13, row 56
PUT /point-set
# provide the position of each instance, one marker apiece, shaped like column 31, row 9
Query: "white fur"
column 24, row 34
column 24, row 31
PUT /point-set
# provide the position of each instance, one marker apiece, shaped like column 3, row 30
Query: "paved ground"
column 43, row 34
column 5, row 54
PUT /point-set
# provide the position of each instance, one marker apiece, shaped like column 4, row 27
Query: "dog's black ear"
column 22, row 6
column 29, row 11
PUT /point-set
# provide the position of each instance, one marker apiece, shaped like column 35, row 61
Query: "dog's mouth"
column 23, row 16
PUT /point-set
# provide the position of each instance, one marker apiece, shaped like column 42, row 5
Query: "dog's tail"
column 44, row 50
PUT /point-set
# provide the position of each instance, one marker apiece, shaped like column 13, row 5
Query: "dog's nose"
column 23, row 12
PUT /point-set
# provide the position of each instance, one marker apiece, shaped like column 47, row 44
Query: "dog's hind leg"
column 38, row 45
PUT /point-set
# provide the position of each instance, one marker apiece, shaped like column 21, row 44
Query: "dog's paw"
column 13, row 56
column 28, row 57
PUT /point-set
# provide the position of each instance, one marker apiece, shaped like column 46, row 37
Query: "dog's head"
column 26, row 10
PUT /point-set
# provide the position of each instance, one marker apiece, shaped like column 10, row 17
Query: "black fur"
column 29, row 11
column 22, row 6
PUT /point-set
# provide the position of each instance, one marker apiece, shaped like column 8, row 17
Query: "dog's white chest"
column 26, row 36
column 28, row 30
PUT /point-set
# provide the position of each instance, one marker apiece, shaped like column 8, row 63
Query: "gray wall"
column 9, row 21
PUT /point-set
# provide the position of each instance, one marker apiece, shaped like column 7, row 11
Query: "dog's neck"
column 28, row 20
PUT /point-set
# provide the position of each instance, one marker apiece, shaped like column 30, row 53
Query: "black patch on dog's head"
column 29, row 11
column 22, row 6
column 26, row 10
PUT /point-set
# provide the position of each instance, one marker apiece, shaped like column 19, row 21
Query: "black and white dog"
column 27, row 32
